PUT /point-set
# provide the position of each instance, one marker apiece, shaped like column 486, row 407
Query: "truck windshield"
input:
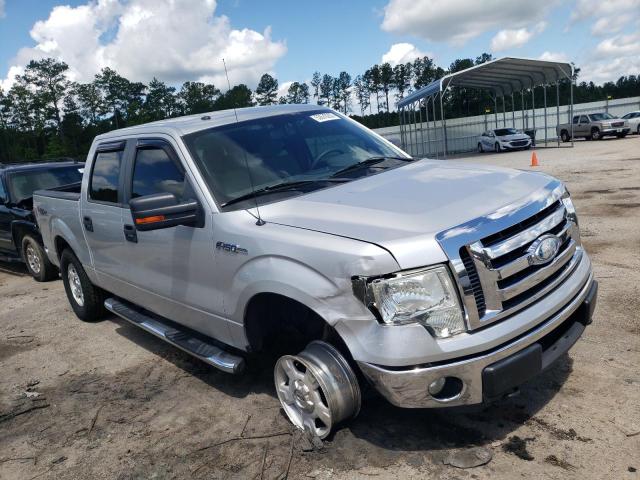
column 596, row 117
column 22, row 184
column 501, row 132
column 300, row 147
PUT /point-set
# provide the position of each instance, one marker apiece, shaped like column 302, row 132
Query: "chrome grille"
column 495, row 274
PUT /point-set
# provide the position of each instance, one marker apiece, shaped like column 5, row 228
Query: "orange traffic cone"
column 534, row 159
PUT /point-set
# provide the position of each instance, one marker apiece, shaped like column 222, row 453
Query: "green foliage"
column 44, row 114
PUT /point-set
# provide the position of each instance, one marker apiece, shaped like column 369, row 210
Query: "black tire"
column 595, row 134
column 497, row 148
column 91, row 307
column 564, row 136
column 528, row 147
column 480, row 149
column 621, row 135
column 36, row 260
column 638, row 129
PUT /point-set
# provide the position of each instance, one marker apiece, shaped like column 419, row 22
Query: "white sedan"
column 500, row 139
column 633, row 118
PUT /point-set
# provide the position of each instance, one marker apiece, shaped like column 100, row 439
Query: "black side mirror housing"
column 162, row 210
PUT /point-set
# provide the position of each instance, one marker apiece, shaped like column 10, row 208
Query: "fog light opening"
column 446, row 388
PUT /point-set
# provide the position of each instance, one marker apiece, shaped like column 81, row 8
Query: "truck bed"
column 64, row 192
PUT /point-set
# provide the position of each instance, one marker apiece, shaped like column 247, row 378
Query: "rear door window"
column 155, row 172
column 105, row 177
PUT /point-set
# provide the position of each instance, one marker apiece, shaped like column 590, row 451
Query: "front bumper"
column 490, row 375
column 616, row 131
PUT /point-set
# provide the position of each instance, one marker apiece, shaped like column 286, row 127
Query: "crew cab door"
column 171, row 270
column 6, row 243
column 101, row 215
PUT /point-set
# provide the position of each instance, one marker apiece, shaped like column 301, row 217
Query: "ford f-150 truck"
column 594, row 126
column 296, row 231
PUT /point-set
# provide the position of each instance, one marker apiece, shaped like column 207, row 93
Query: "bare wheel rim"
column 317, row 388
column 33, row 259
column 75, row 285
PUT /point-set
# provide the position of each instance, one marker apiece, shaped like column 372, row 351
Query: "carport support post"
column 533, row 112
column 544, row 92
column 495, row 109
column 558, row 111
column 444, row 126
column 426, row 114
column 421, row 127
column 522, row 97
column 513, row 111
column 400, row 124
column 435, row 126
column 504, row 112
column 571, row 109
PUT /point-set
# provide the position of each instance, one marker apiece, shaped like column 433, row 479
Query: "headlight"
column 427, row 297
column 568, row 205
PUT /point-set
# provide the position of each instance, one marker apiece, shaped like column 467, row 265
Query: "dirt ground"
column 107, row 400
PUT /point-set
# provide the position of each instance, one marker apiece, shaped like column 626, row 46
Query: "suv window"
column 575, row 119
column 584, row 119
column 105, row 177
column 3, row 193
column 155, row 172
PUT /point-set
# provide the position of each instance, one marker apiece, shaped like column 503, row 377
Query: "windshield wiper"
column 279, row 187
column 367, row 162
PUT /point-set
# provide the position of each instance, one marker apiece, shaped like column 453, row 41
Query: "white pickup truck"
column 295, row 230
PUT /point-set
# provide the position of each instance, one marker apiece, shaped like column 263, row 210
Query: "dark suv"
column 19, row 236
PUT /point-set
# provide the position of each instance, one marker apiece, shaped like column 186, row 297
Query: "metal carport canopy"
column 502, row 76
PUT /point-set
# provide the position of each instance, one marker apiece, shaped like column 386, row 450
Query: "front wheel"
column 87, row 300
column 480, row 149
column 564, row 135
column 317, row 388
column 595, row 134
column 38, row 264
column 497, row 148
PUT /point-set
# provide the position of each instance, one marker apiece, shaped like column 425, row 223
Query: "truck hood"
column 403, row 209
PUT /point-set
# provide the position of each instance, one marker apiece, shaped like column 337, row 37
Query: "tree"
column 297, row 93
column 124, row 98
column 90, row 101
column 402, row 78
column 326, row 90
column 344, row 90
column 386, row 81
column 197, row 97
column 362, row 94
column 374, row 83
column 160, row 101
column 238, row 97
column 48, row 77
column 267, row 90
column 315, row 83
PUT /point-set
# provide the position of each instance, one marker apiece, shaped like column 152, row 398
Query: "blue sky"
column 179, row 40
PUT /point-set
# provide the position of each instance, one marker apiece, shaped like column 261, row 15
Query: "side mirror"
column 162, row 210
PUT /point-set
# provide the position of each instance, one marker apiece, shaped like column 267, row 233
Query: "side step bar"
column 207, row 352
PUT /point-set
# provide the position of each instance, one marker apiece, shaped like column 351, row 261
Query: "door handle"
column 130, row 233
column 88, row 224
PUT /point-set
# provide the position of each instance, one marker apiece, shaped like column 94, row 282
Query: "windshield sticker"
column 325, row 117
column 81, row 170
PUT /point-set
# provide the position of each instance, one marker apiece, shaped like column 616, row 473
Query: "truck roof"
column 192, row 123
column 17, row 167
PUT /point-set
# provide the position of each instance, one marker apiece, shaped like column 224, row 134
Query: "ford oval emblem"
column 543, row 249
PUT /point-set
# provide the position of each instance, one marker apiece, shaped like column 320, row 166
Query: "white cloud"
column 403, row 53
column 612, row 58
column 174, row 40
column 610, row 15
column 554, row 57
column 457, row 21
column 506, row 39
column 283, row 89
column 2, row 14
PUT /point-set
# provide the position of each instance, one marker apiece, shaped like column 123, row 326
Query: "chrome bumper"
column 408, row 387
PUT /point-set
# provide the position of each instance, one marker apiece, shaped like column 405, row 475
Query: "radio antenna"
column 260, row 222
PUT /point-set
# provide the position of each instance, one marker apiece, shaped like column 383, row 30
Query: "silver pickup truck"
column 295, row 231
column 593, row 126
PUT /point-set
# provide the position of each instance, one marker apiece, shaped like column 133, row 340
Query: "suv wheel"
column 317, row 388
column 497, row 148
column 595, row 134
column 638, row 129
column 564, row 135
column 480, row 149
column 38, row 264
column 85, row 298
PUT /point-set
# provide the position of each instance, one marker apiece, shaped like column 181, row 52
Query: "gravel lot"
column 106, row 400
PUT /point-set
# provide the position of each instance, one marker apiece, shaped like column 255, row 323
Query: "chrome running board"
column 183, row 339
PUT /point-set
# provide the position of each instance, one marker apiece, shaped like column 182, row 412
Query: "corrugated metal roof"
column 502, row 76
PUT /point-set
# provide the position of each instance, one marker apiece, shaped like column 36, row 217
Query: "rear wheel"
column 595, row 134
column 317, row 388
column 38, row 264
column 87, row 300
